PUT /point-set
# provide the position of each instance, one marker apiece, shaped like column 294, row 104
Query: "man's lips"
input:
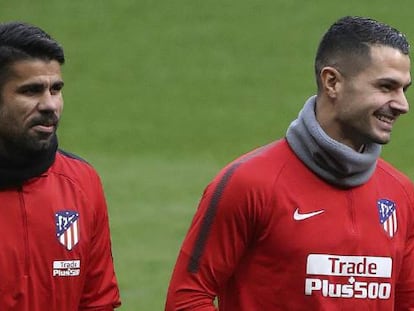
column 46, row 123
column 386, row 118
column 44, row 128
column 386, row 121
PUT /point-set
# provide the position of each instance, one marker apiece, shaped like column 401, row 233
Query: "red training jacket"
column 271, row 235
column 55, row 242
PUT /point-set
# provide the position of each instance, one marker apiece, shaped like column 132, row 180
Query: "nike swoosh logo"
column 299, row 216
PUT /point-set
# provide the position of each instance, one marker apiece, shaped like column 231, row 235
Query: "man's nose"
column 50, row 101
column 401, row 103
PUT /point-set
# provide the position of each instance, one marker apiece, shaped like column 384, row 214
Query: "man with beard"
column 55, row 250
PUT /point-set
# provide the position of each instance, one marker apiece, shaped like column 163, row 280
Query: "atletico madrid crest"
column 67, row 228
column 388, row 216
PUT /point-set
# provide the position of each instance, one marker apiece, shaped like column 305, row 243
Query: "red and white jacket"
column 55, row 242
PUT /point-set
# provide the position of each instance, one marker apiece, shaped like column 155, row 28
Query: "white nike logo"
column 299, row 216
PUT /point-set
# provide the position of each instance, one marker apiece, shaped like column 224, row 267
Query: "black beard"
column 15, row 170
column 22, row 153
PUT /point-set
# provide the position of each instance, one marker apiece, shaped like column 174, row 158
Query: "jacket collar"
column 331, row 160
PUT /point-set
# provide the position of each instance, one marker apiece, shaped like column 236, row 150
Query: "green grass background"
column 159, row 95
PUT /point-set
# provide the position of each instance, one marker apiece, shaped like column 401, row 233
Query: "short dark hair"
column 21, row 41
column 346, row 45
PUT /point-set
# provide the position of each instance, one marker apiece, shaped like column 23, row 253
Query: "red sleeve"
column 218, row 236
column 100, row 292
column 404, row 295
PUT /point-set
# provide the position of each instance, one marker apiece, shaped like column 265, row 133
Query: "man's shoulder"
column 272, row 155
column 387, row 170
column 70, row 156
column 258, row 166
column 72, row 165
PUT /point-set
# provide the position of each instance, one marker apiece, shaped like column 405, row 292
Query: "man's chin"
column 382, row 140
column 40, row 144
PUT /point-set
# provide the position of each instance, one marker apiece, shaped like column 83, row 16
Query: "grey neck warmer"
column 334, row 162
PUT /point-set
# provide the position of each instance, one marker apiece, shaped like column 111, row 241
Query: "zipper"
column 353, row 225
column 25, row 232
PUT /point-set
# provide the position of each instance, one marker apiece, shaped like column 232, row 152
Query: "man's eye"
column 386, row 88
column 56, row 88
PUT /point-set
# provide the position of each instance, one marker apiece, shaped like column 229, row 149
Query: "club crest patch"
column 388, row 216
column 67, row 228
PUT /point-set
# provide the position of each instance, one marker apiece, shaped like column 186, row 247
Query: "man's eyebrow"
column 393, row 82
column 36, row 84
column 32, row 84
column 388, row 80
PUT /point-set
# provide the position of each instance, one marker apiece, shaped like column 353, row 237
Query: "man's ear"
column 331, row 80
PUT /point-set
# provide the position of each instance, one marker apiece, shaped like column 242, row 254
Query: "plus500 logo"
column 371, row 290
column 351, row 267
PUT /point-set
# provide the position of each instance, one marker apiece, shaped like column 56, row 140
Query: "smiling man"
column 55, row 250
column 316, row 220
